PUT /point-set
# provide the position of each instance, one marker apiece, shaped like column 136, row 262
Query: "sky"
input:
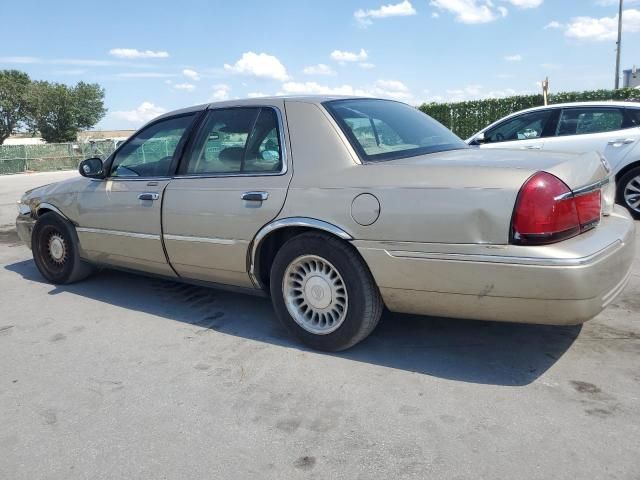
column 156, row 56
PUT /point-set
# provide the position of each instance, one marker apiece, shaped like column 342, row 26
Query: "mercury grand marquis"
column 338, row 207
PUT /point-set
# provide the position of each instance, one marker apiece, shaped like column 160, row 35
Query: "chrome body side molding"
column 284, row 223
column 118, row 232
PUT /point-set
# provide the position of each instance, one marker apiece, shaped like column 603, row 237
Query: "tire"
column 54, row 244
column 323, row 292
column 626, row 186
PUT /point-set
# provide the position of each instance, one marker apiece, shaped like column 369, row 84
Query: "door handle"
column 621, row 141
column 255, row 196
column 148, row 196
column 533, row 147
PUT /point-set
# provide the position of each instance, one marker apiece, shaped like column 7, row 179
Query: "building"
column 631, row 78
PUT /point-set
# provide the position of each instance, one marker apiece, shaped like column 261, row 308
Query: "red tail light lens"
column 589, row 208
column 547, row 211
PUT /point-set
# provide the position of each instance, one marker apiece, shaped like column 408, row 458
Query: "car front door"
column 119, row 216
column 232, row 180
column 601, row 129
column 525, row 131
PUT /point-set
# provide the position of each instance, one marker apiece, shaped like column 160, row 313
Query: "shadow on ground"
column 464, row 350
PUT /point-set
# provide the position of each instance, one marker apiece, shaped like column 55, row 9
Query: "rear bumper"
column 24, row 227
column 565, row 283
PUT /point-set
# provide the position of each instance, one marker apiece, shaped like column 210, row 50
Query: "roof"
column 607, row 103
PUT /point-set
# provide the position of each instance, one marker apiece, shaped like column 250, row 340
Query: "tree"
column 59, row 111
column 14, row 86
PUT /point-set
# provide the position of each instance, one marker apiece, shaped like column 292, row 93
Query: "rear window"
column 386, row 130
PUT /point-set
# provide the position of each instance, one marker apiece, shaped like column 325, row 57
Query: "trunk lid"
column 575, row 170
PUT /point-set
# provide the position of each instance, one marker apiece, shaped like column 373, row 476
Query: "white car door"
column 525, row 131
column 601, row 129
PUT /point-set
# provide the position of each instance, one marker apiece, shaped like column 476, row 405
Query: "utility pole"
column 618, row 45
column 545, row 91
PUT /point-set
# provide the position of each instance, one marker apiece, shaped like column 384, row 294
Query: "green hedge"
column 466, row 118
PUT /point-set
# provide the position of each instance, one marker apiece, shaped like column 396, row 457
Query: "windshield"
column 387, row 130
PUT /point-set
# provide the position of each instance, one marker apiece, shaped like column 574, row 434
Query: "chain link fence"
column 50, row 156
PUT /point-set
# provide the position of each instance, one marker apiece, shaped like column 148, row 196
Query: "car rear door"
column 593, row 128
column 119, row 216
column 232, row 180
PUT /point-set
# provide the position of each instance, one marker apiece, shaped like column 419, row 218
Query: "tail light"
column 547, row 211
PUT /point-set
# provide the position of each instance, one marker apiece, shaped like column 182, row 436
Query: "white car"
column 611, row 128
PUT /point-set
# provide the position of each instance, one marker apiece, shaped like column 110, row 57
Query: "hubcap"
column 632, row 193
column 315, row 294
column 57, row 248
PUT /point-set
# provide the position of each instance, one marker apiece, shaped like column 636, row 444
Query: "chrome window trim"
column 583, row 190
column 189, row 238
column 146, row 236
column 283, row 148
column 288, row 222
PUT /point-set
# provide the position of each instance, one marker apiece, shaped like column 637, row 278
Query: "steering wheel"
column 499, row 137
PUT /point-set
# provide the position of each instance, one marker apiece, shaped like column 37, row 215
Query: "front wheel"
column 629, row 191
column 323, row 292
column 55, row 250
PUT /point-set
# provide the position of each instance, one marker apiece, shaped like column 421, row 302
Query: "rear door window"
column 634, row 116
column 236, row 141
column 580, row 121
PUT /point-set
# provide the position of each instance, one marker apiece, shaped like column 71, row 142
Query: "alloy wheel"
column 315, row 294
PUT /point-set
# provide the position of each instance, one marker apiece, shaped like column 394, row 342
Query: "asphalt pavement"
column 128, row 377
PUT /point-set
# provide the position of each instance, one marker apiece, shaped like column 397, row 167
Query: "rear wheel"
column 629, row 191
column 323, row 292
column 55, row 250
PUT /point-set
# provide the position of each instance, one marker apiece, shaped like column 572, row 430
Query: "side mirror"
column 91, row 168
column 480, row 139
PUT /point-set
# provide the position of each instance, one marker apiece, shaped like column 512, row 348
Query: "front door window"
column 150, row 153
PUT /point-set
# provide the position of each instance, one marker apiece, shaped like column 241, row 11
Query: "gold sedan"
column 337, row 207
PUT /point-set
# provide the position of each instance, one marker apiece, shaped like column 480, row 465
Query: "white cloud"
column 220, row 92
column 319, row 69
column 513, row 58
column 366, row 65
column 382, row 88
column 475, row 92
column 314, row 88
column 191, row 74
column 134, row 53
column 402, row 9
column 259, row 65
column 392, row 89
column 345, row 56
column 435, row 15
column 187, row 87
column 471, row 11
column 256, row 95
column 553, row 24
column 604, row 28
column 526, row 3
column 143, row 113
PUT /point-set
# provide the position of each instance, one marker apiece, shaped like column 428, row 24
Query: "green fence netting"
column 50, row 156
